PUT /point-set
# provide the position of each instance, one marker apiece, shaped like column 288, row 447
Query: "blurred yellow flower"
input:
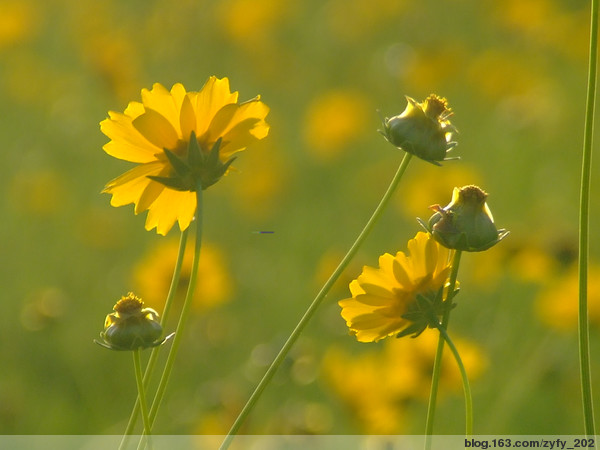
column 378, row 386
column 256, row 193
column 115, row 59
column 381, row 296
column 327, row 264
column 152, row 276
column 158, row 130
column 18, row 21
column 40, row 192
column 533, row 263
column 558, row 306
column 333, row 120
column 355, row 20
column 433, row 65
column 251, row 23
column 502, row 74
column 547, row 22
column 426, row 185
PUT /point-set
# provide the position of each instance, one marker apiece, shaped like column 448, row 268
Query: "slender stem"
column 164, row 320
column 584, row 350
column 315, row 304
column 465, row 381
column 437, row 364
column 184, row 312
column 137, row 364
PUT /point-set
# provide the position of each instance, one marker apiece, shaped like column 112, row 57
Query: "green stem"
column 465, row 381
column 584, row 349
column 437, row 364
column 184, row 311
column 155, row 351
column 162, row 385
column 137, row 364
column 315, row 304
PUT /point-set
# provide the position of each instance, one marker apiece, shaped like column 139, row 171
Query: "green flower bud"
column 423, row 129
column 131, row 326
column 466, row 223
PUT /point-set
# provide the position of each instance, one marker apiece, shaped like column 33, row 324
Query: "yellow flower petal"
column 169, row 207
column 126, row 142
column 157, row 129
column 187, row 121
column 168, row 103
column 239, row 119
column 402, row 270
column 150, row 194
column 130, row 186
column 213, row 96
column 355, row 288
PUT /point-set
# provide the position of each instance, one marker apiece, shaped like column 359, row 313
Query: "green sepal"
column 110, row 346
column 213, row 156
column 179, row 164
column 195, row 155
column 171, row 182
column 425, row 312
column 198, row 168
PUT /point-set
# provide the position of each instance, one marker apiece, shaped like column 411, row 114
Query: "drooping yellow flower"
column 382, row 296
column 161, row 133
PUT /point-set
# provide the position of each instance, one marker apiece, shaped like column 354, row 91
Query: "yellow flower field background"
column 514, row 73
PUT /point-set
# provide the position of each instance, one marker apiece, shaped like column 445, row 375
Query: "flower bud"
column 423, row 129
column 466, row 223
column 131, row 326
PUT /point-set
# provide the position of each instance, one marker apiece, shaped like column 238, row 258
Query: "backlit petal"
column 168, row 103
column 126, row 142
column 157, row 129
column 169, row 207
column 213, row 96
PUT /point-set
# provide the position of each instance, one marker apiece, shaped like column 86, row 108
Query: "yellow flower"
column 382, row 296
column 379, row 385
column 333, row 120
column 557, row 305
column 152, row 276
column 179, row 139
column 18, row 22
column 438, row 182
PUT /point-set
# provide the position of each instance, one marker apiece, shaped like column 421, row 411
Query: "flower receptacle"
column 131, row 326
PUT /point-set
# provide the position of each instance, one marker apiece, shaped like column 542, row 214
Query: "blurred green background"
column 514, row 73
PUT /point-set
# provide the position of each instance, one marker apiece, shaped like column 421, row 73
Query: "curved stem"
column 437, row 364
column 315, row 304
column 584, row 349
column 137, row 364
column 163, row 322
column 465, row 381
